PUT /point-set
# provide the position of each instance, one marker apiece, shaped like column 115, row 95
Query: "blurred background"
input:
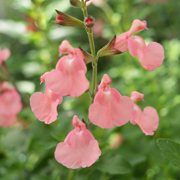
column 27, row 147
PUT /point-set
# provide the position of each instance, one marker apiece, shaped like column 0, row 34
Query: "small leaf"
column 113, row 165
column 171, row 150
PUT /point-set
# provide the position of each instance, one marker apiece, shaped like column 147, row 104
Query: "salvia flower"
column 4, row 55
column 45, row 106
column 10, row 105
column 69, row 76
column 150, row 56
column 79, row 149
column 66, row 48
column 110, row 108
column 147, row 120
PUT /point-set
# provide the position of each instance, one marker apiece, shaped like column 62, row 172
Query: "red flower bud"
column 66, row 20
column 89, row 21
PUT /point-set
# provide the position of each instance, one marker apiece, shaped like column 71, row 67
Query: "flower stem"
column 95, row 59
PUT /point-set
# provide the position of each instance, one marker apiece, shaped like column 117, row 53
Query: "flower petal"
column 110, row 109
column 79, row 149
column 121, row 42
column 137, row 25
column 136, row 96
column 149, row 121
column 136, row 115
column 153, row 56
column 67, row 84
column 44, row 108
column 69, row 77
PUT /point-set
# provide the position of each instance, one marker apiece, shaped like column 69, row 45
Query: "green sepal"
column 68, row 20
column 109, row 49
column 76, row 3
column 87, row 57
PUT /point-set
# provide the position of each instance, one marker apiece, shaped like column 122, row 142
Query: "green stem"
column 95, row 59
column 70, row 174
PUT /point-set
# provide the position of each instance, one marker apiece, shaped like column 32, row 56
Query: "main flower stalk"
column 92, row 47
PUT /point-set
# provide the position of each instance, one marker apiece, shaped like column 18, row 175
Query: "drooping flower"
column 110, row 108
column 69, row 76
column 10, row 104
column 147, row 120
column 45, row 106
column 79, row 149
column 150, row 56
column 4, row 55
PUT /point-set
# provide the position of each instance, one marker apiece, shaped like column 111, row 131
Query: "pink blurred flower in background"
column 4, row 55
column 10, row 104
column 95, row 2
column 79, row 149
column 110, row 108
column 98, row 28
column 147, row 120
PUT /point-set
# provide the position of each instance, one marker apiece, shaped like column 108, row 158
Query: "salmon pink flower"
column 110, row 108
column 150, row 56
column 69, row 76
column 45, row 106
column 4, row 55
column 7, row 120
column 147, row 120
column 10, row 104
column 79, row 149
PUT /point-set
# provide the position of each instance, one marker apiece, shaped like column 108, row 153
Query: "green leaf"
column 113, row 165
column 171, row 150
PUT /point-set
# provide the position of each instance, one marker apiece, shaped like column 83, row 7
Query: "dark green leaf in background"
column 171, row 150
column 113, row 165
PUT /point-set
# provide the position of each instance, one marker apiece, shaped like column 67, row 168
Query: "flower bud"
column 115, row 140
column 109, row 49
column 66, row 20
column 89, row 21
column 76, row 3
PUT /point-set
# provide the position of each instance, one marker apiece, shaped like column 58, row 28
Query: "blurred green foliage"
column 27, row 148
